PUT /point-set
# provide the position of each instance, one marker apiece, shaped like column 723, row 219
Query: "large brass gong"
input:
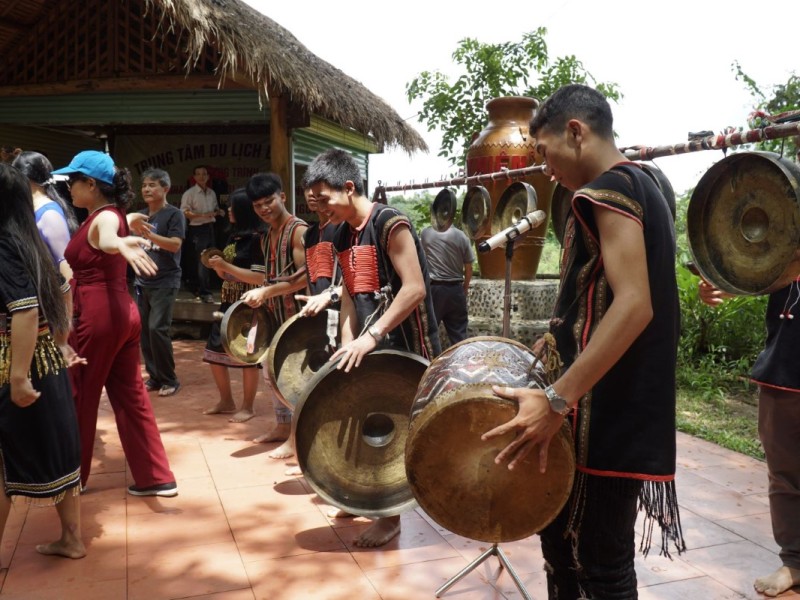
column 350, row 432
column 242, row 326
column 299, row 349
column 743, row 223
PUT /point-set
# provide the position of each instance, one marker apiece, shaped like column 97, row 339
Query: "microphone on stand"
column 509, row 234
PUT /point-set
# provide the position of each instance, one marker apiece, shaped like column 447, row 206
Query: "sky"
column 671, row 60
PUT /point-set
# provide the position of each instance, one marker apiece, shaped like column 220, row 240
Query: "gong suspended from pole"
column 743, row 223
column 443, row 210
column 475, row 212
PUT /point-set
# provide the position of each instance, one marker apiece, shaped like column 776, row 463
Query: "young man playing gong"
column 284, row 273
column 616, row 327
column 377, row 250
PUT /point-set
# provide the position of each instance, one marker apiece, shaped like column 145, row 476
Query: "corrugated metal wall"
column 306, row 145
column 185, row 107
column 58, row 146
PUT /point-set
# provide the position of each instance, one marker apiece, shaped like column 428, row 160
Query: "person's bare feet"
column 379, row 533
column 279, row 434
column 221, row 408
column 242, row 416
column 74, row 549
column 285, row 450
column 339, row 513
column 293, row 470
column 778, row 582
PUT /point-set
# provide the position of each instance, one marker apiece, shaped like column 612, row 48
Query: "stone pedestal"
column 532, row 305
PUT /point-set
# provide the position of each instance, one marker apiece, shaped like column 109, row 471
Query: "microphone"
column 509, row 234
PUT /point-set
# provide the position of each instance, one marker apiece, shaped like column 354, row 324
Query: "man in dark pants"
column 199, row 206
column 155, row 296
column 449, row 255
column 616, row 327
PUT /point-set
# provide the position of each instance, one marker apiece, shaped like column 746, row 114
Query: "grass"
column 719, row 409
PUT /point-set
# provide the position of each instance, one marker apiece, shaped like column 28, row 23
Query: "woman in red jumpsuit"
column 107, row 326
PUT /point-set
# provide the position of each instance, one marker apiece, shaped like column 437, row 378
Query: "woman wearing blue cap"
column 107, row 327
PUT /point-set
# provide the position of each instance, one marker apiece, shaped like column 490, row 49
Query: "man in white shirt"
column 199, row 206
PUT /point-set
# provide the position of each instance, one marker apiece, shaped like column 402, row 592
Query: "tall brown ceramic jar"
column 505, row 142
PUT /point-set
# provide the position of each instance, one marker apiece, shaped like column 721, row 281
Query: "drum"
column 350, row 433
column 298, row 350
column 452, row 473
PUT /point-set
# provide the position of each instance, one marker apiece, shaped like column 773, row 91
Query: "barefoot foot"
column 242, row 416
column 279, row 434
column 777, row 582
column 339, row 513
column 285, row 450
column 379, row 533
column 222, row 408
column 59, row 548
column 295, row 470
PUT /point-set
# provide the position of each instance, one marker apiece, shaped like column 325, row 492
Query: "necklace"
column 94, row 210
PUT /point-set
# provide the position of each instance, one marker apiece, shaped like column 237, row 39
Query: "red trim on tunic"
column 775, row 387
column 360, row 269
column 320, row 261
column 641, row 476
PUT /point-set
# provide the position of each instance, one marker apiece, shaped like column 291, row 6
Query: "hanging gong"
column 206, row 254
column 743, row 223
column 517, row 200
column 475, row 212
column 298, row 350
column 662, row 181
column 560, row 206
column 443, row 210
column 350, row 433
column 246, row 332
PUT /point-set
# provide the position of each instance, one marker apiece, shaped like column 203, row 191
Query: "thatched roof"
column 251, row 43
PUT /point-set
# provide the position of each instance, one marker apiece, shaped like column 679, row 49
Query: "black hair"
column 39, row 170
column 159, row 175
column 263, row 185
column 245, row 218
column 334, row 167
column 18, row 224
column 574, row 101
column 120, row 193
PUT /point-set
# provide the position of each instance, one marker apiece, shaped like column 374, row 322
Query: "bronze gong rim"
column 350, row 433
column 206, row 254
column 517, row 200
column 235, row 327
column 743, row 223
column 299, row 349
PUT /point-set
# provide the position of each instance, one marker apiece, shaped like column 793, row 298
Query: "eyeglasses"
column 73, row 179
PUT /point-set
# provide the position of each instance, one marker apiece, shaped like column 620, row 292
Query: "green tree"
column 778, row 98
column 522, row 68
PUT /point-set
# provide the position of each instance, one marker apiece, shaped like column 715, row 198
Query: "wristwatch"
column 557, row 403
column 335, row 296
column 373, row 331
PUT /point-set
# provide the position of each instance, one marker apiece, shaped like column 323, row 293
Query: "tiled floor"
column 241, row 529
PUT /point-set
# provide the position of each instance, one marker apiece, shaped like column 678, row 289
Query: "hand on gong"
column 535, row 424
column 352, row 353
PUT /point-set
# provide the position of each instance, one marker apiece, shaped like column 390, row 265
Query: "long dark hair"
column 246, row 221
column 18, row 225
column 38, row 169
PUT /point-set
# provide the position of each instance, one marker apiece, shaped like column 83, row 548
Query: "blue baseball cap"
column 91, row 163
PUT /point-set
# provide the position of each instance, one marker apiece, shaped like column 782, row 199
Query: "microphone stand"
column 495, row 550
